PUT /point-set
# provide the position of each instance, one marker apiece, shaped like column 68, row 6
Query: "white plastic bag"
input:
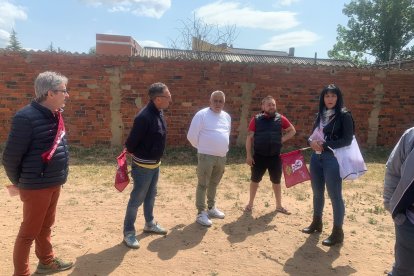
column 350, row 160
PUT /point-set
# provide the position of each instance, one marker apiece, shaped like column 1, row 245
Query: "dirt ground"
column 88, row 231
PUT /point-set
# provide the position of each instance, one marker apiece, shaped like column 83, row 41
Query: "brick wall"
column 106, row 92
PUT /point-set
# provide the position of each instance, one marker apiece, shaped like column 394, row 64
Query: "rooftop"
column 166, row 53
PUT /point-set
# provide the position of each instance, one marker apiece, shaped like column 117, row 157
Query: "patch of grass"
column 351, row 217
column 372, row 221
column 378, row 210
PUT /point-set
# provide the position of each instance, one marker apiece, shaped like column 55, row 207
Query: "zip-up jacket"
column 32, row 133
column 399, row 178
column 147, row 138
column 339, row 132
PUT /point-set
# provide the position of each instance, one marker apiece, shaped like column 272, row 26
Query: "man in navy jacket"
column 36, row 162
column 146, row 143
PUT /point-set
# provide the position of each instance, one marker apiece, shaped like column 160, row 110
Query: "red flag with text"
column 121, row 177
column 294, row 168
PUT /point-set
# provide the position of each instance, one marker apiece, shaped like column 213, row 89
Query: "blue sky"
column 308, row 25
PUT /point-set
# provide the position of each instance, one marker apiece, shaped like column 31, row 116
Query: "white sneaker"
column 215, row 213
column 203, row 219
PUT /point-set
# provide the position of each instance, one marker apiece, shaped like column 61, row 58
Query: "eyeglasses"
column 64, row 91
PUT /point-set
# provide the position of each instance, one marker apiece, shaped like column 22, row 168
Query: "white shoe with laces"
column 203, row 219
column 215, row 213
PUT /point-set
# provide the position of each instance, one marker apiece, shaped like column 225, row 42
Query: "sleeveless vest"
column 268, row 135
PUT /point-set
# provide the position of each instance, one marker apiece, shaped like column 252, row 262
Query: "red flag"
column 294, row 168
column 121, row 177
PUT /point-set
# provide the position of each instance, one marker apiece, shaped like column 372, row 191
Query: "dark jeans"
column 144, row 191
column 324, row 169
column 404, row 249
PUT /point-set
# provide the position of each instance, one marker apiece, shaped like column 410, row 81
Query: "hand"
column 316, row 145
column 13, row 190
column 249, row 161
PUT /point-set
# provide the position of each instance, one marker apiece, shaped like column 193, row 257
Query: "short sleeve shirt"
column 285, row 123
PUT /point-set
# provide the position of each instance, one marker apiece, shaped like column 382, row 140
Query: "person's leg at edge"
column 334, row 187
column 277, row 189
column 318, row 190
column 275, row 173
column 43, row 246
column 404, row 249
column 142, row 178
column 257, row 172
column 35, row 206
column 215, row 178
column 318, row 184
column 149, row 201
column 253, row 189
column 204, row 173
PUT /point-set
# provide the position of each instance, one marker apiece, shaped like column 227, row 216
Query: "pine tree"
column 14, row 44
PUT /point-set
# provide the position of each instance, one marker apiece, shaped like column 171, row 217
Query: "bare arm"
column 249, row 144
column 288, row 133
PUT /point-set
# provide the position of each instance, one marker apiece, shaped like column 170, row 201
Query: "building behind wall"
column 107, row 44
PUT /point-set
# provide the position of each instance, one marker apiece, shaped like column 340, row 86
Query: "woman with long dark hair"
column 333, row 129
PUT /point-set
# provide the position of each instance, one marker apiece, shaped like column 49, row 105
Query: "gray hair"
column 218, row 92
column 156, row 89
column 47, row 81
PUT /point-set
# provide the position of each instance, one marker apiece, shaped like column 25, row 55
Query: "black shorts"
column 262, row 163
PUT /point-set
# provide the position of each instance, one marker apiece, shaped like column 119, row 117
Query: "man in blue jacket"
column 399, row 201
column 36, row 162
column 146, row 143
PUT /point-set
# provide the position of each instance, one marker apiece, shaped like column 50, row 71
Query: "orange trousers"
column 39, row 210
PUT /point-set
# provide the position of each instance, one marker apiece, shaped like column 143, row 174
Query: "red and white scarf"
column 47, row 156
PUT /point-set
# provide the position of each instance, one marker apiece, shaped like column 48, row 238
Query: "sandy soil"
column 88, row 231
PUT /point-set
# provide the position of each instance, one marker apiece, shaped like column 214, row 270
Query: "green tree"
column 381, row 29
column 51, row 48
column 14, row 44
column 92, row 51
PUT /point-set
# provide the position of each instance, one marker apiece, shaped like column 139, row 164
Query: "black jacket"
column 32, row 133
column 339, row 132
column 146, row 140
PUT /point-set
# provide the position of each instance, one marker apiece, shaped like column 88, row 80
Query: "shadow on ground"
column 101, row 263
column 246, row 225
column 315, row 260
column 180, row 237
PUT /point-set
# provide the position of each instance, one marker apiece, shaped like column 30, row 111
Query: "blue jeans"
column 144, row 191
column 404, row 249
column 324, row 169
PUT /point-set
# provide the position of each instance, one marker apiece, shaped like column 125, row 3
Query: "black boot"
column 336, row 237
column 315, row 226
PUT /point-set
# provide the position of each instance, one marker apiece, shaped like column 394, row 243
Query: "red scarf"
column 47, row 156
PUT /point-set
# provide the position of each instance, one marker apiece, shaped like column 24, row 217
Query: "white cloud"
column 4, row 36
column 9, row 13
column 286, row 2
column 292, row 39
column 232, row 13
column 150, row 43
column 148, row 8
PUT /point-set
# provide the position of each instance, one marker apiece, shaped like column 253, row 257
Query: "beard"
column 270, row 114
